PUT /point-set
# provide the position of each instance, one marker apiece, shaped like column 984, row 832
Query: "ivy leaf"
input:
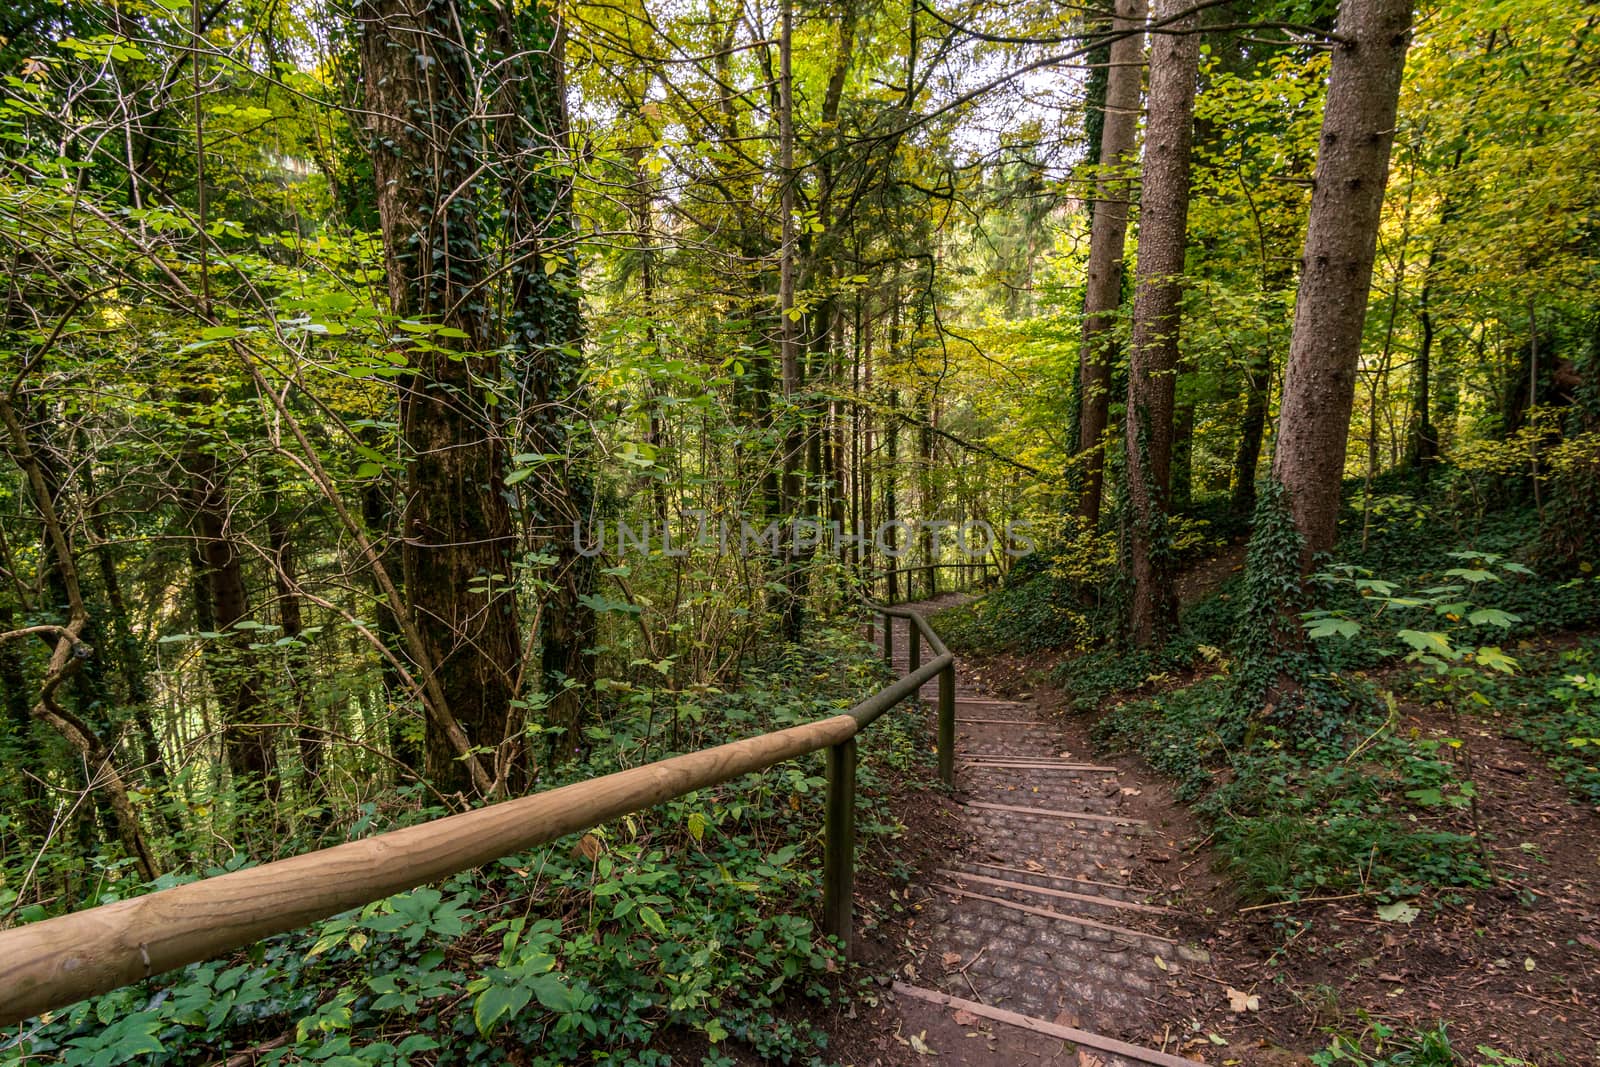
column 1493, row 617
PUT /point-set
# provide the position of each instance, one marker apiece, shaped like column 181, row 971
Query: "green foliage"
column 1293, row 817
column 1048, row 600
column 1381, row 1045
column 695, row 915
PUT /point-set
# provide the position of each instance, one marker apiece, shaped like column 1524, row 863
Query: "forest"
column 411, row 407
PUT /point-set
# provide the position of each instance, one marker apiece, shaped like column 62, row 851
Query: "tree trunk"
column 247, row 746
column 1183, row 450
column 297, row 659
column 1336, row 272
column 1163, row 222
column 456, row 527
column 1108, row 231
column 1252, row 427
column 546, row 332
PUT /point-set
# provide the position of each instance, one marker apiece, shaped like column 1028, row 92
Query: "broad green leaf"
column 496, row 1002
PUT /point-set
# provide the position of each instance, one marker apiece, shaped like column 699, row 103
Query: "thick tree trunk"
column 546, row 330
column 1336, row 273
column 1183, row 450
column 456, row 525
column 1108, row 231
column 1163, row 223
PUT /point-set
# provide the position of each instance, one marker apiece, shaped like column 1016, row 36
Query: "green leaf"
column 697, row 825
column 653, row 920
column 1333, row 626
column 1427, row 641
column 553, row 993
column 1493, row 617
column 496, row 1002
column 1471, row 574
column 1496, row 660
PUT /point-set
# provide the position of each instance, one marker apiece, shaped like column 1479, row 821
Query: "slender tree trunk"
column 1108, row 231
column 1252, row 428
column 1163, row 223
column 1341, row 240
column 297, row 659
column 377, row 514
column 68, row 654
column 456, row 533
column 248, row 747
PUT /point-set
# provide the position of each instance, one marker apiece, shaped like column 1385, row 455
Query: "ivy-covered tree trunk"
column 1108, row 231
column 1341, row 241
column 1163, row 222
column 545, row 330
column 455, row 526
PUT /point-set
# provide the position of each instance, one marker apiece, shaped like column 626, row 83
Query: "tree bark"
column 1336, row 272
column 1108, row 231
column 546, row 332
column 1163, row 223
column 455, row 526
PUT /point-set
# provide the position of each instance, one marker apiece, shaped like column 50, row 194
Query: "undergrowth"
column 696, row 915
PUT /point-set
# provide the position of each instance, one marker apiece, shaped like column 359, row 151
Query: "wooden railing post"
column 947, row 725
column 914, row 649
column 839, row 843
column 888, row 639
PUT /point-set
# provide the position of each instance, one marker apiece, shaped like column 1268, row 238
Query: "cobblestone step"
column 1109, row 1051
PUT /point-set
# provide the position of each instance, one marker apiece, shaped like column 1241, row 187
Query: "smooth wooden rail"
column 59, row 961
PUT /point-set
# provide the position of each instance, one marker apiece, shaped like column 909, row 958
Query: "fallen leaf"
column 951, row 959
column 1241, row 1001
column 1528, row 964
column 1399, row 912
column 919, row 1046
column 1161, row 963
column 589, row 846
column 964, row 1017
column 1087, row 1059
column 1035, row 866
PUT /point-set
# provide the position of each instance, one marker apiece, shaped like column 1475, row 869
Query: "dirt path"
column 1045, row 939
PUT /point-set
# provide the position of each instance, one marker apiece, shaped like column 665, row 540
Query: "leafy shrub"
column 696, row 914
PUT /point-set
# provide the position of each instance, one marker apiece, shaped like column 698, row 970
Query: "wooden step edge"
column 1060, row 894
column 1001, row 722
column 1033, row 765
column 1057, row 877
column 1059, row 916
column 1099, row 1042
column 1055, row 813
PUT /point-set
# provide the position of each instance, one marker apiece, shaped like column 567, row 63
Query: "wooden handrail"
column 59, row 961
